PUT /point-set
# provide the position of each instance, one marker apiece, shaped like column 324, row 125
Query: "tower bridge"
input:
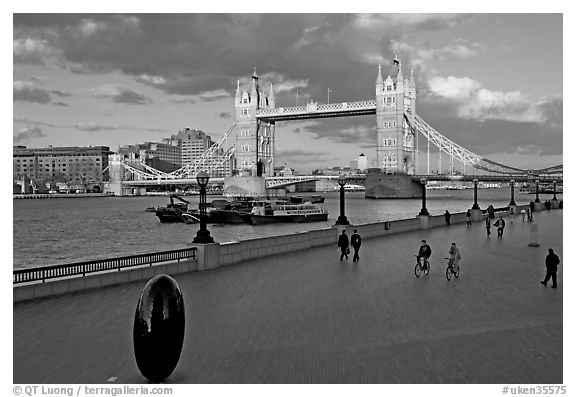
column 249, row 144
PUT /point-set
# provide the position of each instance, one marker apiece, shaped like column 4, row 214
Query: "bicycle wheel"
column 427, row 269
column 457, row 271
column 417, row 270
column 448, row 273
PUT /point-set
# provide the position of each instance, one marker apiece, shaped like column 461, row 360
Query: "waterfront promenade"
column 306, row 317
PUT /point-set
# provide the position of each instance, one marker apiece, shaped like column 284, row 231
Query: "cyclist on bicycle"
column 454, row 255
column 424, row 252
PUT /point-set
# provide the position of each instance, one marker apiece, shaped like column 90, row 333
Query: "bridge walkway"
column 309, row 318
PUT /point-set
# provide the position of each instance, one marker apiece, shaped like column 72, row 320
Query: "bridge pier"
column 254, row 186
column 394, row 186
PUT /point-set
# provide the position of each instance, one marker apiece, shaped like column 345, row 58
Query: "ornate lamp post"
column 512, row 202
column 537, row 189
column 423, row 211
column 203, row 235
column 554, row 198
column 342, row 220
column 475, row 206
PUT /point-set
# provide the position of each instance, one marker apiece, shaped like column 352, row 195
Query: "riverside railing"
column 101, row 265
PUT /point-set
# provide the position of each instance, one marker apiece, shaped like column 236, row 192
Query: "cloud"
column 30, row 50
column 27, row 133
column 426, row 21
column 213, row 95
column 473, row 101
column 301, row 154
column 18, row 119
column 25, row 91
column 29, row 91
column 359, row 131
column 91, row 127
column 94, row 127
column 121, row 94
column 457, row 49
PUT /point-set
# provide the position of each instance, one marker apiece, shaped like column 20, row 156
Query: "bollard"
column 534, row 235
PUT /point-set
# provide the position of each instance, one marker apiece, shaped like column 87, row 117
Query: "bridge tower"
column 254, row 138
column 395, row 148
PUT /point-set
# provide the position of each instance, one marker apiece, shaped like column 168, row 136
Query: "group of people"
column 500, row 224
column 425, row 251
column 344, row 245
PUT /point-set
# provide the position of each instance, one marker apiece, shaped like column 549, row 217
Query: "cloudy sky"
column 490, row 82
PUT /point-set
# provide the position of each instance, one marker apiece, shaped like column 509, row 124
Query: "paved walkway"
column 309, row 318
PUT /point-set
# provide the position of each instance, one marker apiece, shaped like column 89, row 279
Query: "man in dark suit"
column 343, row 244
column 552, row 262
column 356, row 241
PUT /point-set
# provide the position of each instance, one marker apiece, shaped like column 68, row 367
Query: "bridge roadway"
column 309, row 318
column 277, row 181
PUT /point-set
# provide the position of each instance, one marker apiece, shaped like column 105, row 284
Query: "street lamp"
column 537, row 188
column 512, row 202
column 342, row 220
column 475, row 206
column 203, row 235
column 423, row 211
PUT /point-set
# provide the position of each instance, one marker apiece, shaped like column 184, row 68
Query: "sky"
column 492, row 83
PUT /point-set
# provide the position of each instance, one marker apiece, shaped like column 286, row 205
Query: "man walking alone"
column 356, row 241
column 552, row 262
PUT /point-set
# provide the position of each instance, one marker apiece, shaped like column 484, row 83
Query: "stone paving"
column 309, row 318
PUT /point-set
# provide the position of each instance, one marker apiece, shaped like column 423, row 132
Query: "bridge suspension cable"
column 417, row 124
column 211, row 160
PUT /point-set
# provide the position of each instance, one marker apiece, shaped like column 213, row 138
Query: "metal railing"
column 101, row 265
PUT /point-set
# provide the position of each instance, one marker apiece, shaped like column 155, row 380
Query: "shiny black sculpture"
column 159, row 328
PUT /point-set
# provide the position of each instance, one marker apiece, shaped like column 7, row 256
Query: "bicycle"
column 419, row 268
column 450, row 269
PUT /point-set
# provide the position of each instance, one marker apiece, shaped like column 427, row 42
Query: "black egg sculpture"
column 159, row 328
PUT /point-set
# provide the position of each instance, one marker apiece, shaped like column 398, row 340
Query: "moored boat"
column 177, row 212
column 266, row 212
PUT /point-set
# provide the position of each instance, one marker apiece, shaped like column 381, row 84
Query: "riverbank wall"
column 216, row 255
column 59, row 195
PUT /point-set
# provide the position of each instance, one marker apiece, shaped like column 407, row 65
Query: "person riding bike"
column 454, row 255
column 424, row 252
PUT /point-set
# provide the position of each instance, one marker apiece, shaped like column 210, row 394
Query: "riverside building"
column 79, row 166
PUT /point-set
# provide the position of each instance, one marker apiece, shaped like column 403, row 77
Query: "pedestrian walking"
column 523, row 212
column 468, row 218
column 344, row 245
column 532, row 206
column 356, row 242
column 500, row 223
column 447, row 216
column 488, row 224
column 552, row 261
column 512, row 214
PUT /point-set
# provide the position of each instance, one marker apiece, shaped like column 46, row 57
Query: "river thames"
column 58, row 231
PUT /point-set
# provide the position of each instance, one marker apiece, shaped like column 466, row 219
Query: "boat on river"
column 301, row 199
column 270, row 211
column 177, row 212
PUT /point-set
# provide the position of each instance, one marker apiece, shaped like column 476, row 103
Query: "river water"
column 58, row 231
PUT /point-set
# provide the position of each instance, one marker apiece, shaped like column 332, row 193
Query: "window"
column 245, row 112
column 388, row 88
